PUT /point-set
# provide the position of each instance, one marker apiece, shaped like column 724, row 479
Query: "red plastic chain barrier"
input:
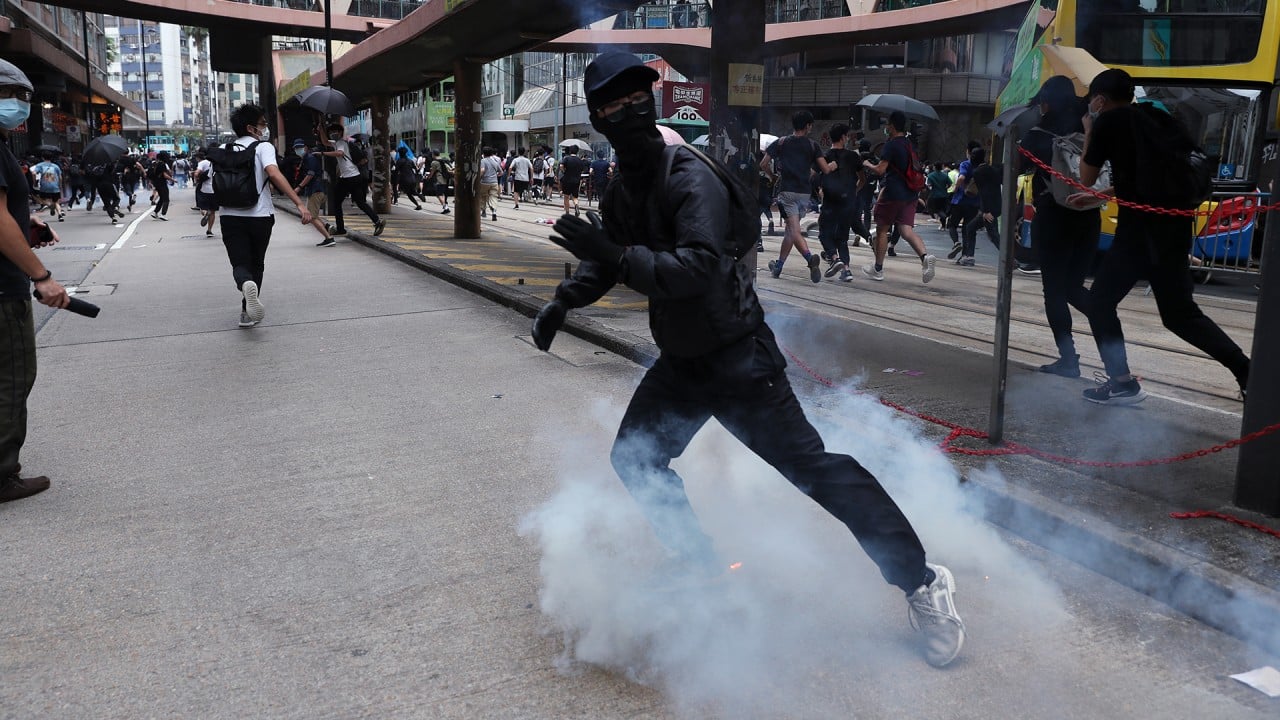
column 1126, row 203
column 1013, row 448
column 1228, row 518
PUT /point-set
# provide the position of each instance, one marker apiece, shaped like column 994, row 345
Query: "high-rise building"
column 166, row 69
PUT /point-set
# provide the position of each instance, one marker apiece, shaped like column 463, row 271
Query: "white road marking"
column 128, row 232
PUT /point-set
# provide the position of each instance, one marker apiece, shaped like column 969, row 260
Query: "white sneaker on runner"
column 252, row 305
column 932, row 611
column 871, row 272
column 926, row 272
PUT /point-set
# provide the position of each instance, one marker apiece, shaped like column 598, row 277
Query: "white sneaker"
column 252, row 305
column 932, row 610
column 871, row 272
column 926, row 274
column 246, row 321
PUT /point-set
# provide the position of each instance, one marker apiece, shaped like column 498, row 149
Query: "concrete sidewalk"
column 1115, row 521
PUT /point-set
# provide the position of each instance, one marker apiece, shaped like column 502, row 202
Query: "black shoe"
column 444, row 211
column 1113, row 392
column 204, row 220
column 815, row 269
column 494, row 217
column 956, row 248
column 892, row 252
column 337, row 232
column 16, row 488
column 1068, row 367
column 1028, row 269
column 327, row 242
column 379, row 226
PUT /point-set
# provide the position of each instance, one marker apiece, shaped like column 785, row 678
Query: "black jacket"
column 988, row 178
column 679, row 254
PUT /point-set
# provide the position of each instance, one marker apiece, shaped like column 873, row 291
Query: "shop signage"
column 686, row 102
column 746, row 85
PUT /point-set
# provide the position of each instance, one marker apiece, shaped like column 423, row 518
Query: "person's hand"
column 45, row 232
column 52, row 293
column 988, row 217
column 586, row 239
column 1079, row 199
column 306, row 214
column 547, row 323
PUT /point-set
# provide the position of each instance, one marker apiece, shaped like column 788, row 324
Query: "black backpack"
column 235, row 183
column 446, row 171
column 744, row 214
column 1173, row 172
column 539, row 164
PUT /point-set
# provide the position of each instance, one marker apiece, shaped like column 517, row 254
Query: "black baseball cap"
column 615, row 74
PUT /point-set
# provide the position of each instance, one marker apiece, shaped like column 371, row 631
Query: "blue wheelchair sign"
column 1226, row 171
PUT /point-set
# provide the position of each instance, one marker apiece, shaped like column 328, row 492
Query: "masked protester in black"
column 668, row 238
column 1065, row 240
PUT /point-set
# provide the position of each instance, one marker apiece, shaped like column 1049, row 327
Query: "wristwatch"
column 47, row 275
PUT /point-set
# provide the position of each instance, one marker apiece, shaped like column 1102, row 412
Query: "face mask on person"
column 632, row 123
column 13, row 112
column 265, row 134
column 335, row 136
column 300, row 152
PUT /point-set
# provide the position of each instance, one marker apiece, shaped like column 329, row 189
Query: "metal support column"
column 1004, row 287
column 466, row 151
column 737, row 89
column 146, row 109
column 1257, row 477
column 380, row 154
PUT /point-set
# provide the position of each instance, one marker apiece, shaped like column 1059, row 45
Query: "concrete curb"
column 1218, row 598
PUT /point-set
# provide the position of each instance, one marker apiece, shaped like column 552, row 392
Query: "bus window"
column 1176, row 33
column 1223, row 121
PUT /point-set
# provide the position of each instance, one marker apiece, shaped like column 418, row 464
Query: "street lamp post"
column 146, row 110
column 88, row 75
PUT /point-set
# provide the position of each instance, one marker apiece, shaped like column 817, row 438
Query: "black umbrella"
column 105, row 149
column 888, row 102
column 40, row 149
column 326, row 100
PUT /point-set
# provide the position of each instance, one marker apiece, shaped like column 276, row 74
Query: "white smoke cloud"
column 806, row 600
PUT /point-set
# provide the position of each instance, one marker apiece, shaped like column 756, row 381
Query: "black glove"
column 587, row 240
column 547, row 322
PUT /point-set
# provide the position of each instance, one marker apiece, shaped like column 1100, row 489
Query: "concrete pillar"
column 737, row 86
column 380, row 155
column 466, row 149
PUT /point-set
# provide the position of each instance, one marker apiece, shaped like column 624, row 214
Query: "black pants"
column 410, row 189
column 110, row 197
column 744, row 386
column 865, row 199
column 246, row 240
column 970, row 236
column 355, row 188
column 162, row 197
column 17, row 377
column 1155, row 247
column 1065, row 242
column 835, row 219
column 959, row 215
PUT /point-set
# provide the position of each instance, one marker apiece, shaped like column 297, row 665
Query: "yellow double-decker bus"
column 1213, row 64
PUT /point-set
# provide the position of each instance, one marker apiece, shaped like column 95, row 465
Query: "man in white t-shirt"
column 521, row 171
column 246, row 231
column 349, row 183
column 205, row 202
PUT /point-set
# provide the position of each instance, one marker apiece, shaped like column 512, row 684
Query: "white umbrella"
column 575, row 142
column 766, row 140
column 702, row 140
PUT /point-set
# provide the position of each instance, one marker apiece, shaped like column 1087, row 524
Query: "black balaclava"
column 635, row 138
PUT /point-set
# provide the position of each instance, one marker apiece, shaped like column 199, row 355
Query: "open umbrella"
column 669, row 136
column 105, row 149
column 40, row 149
column 766, row 140
column 575, row 142
column 702, row 141
column 889, row 102
column 324, row 99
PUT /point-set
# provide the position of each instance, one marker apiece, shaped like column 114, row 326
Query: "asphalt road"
column 384, row 502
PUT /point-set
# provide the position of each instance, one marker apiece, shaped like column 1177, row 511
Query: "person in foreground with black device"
column 19, row 270
column 1146, row 244
column 667, row 237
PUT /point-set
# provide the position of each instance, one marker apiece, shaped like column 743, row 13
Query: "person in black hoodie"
column 985, row 181
column 1065, row 239
column 667, row 237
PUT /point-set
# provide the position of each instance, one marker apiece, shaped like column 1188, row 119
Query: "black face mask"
column 633, row 134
